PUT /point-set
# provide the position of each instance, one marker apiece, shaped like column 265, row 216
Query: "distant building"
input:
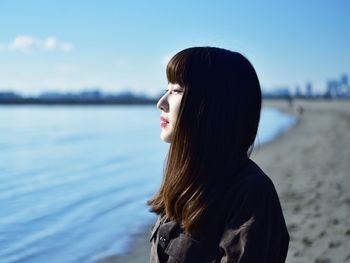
column 309, row 92
column 278, row 92
column 9, row 95
column 298, row 91
column 338, row 88
column 90, row 94
column 281, row 92
column 51, row 95
column 344, row 80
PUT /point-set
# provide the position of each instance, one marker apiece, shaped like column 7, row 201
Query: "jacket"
column 252, row 230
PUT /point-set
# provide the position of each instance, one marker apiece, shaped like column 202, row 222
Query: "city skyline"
column 335, row 88
column 71, row 46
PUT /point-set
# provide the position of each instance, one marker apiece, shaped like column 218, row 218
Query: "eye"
column 177, row 91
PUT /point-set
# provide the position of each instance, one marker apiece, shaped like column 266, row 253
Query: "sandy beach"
column 310, row 166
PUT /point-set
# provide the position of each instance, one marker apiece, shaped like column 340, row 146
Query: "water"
column 273, row 122
column 74, row 180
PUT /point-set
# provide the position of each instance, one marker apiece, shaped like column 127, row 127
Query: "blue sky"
column 118, row 45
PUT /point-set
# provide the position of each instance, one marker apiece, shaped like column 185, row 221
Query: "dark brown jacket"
column 253, row 230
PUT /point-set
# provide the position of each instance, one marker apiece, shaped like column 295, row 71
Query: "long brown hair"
column 216, row 126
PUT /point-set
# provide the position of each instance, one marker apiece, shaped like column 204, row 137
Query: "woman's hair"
column 214, row 132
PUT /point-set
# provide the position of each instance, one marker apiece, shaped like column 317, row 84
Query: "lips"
column 163, row 120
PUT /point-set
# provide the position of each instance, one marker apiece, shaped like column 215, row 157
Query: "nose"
column 163, row 103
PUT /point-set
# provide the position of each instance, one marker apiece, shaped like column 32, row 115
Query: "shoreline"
column 309, row 166
column 298, row 179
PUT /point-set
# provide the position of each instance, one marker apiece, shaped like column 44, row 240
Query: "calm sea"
column 74, row 180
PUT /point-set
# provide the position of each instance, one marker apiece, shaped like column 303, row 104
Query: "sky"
column 115, row 46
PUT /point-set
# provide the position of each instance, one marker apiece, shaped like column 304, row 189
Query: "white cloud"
column 24, row 44
column 50, row 43
column 66, row 47
column 28, row 44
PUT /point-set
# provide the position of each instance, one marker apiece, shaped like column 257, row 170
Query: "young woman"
column 214, row 204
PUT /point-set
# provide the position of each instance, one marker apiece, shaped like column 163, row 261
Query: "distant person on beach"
column 300, row 110
column 214, row 204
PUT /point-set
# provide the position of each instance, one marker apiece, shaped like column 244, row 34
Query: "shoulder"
column 251, row 181
column 255, row 229
column 253, row 175
column 252, row 193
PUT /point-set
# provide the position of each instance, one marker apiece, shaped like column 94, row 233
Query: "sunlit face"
column 169, row 104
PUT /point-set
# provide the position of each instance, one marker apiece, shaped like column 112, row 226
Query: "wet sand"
column 310, row 167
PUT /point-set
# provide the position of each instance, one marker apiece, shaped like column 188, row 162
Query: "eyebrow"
column 179, row 87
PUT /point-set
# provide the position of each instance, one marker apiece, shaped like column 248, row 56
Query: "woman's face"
column 169, row 105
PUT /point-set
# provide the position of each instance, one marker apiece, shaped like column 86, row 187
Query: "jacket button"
column 162, row 239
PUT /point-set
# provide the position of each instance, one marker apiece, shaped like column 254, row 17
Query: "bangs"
column 189, row 66
column 176, row 69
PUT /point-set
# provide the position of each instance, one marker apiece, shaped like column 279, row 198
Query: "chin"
column 166, row 137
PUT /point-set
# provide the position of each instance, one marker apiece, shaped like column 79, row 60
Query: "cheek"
column 177, row 106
